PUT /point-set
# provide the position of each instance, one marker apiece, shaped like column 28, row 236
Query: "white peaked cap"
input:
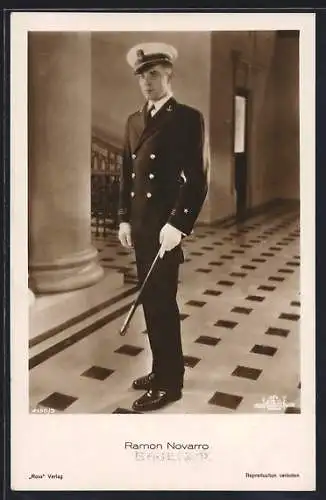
column 148, row 54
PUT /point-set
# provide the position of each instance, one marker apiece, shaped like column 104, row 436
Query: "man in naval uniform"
column 162, row 189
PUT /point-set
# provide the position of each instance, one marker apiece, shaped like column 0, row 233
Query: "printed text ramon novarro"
column 169, row 445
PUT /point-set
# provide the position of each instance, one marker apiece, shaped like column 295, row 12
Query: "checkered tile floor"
column 240, row 309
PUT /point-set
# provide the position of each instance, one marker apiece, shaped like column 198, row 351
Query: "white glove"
column 170, row 237
column 125, row 234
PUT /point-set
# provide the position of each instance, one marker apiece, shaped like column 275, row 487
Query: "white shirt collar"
column 158, row 104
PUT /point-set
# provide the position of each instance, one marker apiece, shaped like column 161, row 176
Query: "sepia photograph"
column 163, row 229
column 210, row 181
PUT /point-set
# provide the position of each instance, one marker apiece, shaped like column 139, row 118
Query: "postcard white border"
column 89, row 449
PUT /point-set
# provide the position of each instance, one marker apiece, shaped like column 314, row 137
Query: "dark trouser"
column 162, row 315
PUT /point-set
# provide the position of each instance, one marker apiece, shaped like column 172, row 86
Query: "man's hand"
column 125, row 234
column 170, row 237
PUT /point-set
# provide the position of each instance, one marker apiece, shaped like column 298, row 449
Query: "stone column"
column 61, row 256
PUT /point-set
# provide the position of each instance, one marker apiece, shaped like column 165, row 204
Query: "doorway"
column 240, row 152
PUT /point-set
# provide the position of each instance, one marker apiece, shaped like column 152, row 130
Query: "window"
column 240, row 124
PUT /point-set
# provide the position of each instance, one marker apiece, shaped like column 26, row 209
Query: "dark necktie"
column 149, row 114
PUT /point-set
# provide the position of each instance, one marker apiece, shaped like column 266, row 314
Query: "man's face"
column 155, row 82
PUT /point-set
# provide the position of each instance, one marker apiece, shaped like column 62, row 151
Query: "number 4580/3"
column 43, row 410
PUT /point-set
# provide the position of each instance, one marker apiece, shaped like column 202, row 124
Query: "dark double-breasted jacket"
column 163, row 177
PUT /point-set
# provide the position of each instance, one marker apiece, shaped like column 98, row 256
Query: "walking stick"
column 136, row 302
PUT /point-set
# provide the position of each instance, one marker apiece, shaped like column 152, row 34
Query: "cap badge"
column 140, row 54
column 169, row 108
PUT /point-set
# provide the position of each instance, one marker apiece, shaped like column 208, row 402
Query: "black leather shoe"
column 155, row 399
column 144, row 383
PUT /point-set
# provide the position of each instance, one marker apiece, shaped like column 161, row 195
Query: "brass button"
column 133, row 156
column 149, row 195
column 151, row 176
column 132, row 194
column 186, row 210
column 152, row 156
column 133, row 175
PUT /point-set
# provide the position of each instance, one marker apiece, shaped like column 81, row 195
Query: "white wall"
column 287, row 117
